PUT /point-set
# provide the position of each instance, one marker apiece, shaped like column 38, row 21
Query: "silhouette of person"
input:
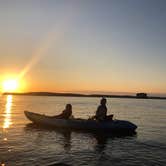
column 66, row 114
column 101, row 113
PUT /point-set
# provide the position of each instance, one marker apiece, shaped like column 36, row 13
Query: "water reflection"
column 101, row 142
column 102, row 138
column 7, row 114
column 63, row 145
column 40, row 130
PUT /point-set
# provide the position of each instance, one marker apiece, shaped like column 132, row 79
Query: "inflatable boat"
column 81, row 124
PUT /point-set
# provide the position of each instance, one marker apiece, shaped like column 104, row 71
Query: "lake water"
column 22, row 145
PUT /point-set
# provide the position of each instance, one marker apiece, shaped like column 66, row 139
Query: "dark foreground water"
column 24, row 145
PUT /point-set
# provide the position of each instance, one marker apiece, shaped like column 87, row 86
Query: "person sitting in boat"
column 101, row 113
column 66, row 114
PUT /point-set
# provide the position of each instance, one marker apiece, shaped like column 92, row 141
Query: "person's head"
column 68, row 107
column 103, row 101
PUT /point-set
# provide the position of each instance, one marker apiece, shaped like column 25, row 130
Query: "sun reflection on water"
column 7, row 115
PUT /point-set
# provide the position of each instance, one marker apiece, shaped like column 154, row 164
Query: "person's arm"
column 105, row 111
column 59, row 116
column 97, row 112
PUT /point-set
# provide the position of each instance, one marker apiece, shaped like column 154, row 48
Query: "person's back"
column 66, row 113
column 101, row 112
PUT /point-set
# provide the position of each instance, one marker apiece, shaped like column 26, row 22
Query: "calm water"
column 23, row 145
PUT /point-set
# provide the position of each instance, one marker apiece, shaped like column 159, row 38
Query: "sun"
column 10, row 85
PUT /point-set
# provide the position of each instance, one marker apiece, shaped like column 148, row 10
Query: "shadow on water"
column 101, row 138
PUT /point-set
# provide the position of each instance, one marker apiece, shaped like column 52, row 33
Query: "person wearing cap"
column 66, row 114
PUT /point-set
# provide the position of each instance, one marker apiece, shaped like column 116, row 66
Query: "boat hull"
column 81, row 124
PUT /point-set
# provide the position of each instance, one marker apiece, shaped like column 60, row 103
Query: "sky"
column 84, row 45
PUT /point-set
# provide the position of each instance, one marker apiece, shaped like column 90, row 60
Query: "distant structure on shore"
column 141, row 95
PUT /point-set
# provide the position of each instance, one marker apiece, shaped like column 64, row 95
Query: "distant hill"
column 84, row 95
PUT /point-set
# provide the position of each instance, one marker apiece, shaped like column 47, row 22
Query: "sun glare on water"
column 10, row 85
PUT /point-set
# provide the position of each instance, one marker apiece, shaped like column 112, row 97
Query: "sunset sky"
column 84, row 45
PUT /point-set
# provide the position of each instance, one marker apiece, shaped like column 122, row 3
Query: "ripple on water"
column 23, row 145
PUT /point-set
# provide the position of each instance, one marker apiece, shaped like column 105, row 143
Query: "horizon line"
column 85, row 94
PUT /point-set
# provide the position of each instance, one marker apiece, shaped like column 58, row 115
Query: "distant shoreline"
column 82, row 95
